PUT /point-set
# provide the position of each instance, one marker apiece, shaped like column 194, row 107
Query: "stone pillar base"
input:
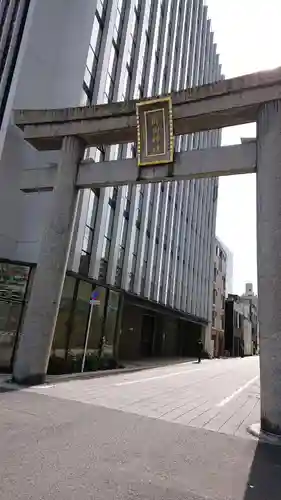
column 34, row 379
column 265, row 437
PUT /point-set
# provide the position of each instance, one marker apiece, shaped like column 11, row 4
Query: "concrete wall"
column 50, row 74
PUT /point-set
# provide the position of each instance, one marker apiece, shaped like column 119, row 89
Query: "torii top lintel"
column 225, row 103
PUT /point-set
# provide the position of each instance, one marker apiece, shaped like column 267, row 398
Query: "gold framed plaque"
column 155, row 137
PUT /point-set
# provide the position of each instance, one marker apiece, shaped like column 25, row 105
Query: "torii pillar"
column 269, row 262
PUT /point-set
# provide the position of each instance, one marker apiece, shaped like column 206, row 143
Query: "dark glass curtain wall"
column 85, row 333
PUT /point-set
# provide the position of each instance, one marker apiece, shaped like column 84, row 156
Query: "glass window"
column 100, row 7
column 118, row 277
column 13, row 281
column 111, row 61
column 95, row 328
column 110, row 324
column 79, row 325
column 100, row 155
column 146, row 249
column 213, row 318
column 134, row 264
column 90, row 59
column 91, row 210
column 117, row 23
column 84, row 263
column 62, row 331
column 95, row 34
column 109, row 222
column 103, row 269
column 136, row 245
column 120, row 257
column 106, row 248
column 88, row 238
column 107, row 84
column 10, row 315
column 124, row 230
column 84, row 99
column 87, row 77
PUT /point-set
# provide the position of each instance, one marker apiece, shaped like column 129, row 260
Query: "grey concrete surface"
column 269, row 261
column 54, row 448
column 62, row 442
column 214, row 395
column 36, row 337
column 213, row 106
column 211, row 162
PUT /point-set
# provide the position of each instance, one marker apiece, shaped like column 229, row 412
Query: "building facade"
column 219, row 295
column 229, row 268
column 241, row 326
column 13, row 20
column 252, row 299
column 147, row 250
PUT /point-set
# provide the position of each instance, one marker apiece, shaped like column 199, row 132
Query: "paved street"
column 174, row 432
column 219, row 395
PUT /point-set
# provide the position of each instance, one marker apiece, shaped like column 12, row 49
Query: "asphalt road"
column 104, row 438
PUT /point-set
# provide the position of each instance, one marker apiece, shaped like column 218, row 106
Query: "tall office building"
column 13, row 16
column 147, row 249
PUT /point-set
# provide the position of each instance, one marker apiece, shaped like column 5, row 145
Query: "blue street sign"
column 94, row 301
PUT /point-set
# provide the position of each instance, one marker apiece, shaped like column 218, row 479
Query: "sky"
column 247, row 33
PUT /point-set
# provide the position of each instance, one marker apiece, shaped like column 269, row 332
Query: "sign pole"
column 87, row 337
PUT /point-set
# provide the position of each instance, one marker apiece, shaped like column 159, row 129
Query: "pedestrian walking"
column 199, row 349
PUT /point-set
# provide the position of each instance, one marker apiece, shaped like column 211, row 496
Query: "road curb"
column 51, row 379
column 9, row 385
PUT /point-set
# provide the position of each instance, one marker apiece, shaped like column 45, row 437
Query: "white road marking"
column 40, row 387
column 167, row 375
column 241, row 389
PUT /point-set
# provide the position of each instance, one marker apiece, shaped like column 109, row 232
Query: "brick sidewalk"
column 206, row 396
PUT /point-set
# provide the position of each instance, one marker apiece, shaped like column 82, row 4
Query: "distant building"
column 241, row 324
column 250, row 295
column 219, row 294
column 229, row 268
column 252, row 299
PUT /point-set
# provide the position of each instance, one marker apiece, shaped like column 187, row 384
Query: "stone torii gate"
column 249, row 98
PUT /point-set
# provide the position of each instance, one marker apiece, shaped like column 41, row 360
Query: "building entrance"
column 147, row 336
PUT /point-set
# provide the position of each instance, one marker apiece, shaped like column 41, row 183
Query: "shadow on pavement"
column 7, row 384
column 9, row 389
column 265, row 475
